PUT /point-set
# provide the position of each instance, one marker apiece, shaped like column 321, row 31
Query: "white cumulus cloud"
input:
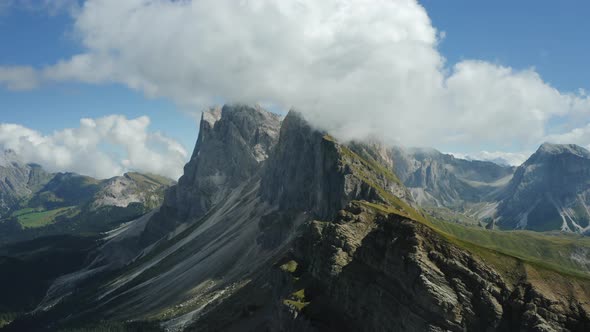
column 102, row 147
column 357, row 68
column 580, row 136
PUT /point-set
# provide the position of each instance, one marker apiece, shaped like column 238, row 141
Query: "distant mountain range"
column 277, row 226
column 34, row 202
column 438, row 179
column 547, row 192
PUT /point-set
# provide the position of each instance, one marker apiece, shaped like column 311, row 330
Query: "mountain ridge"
column 283, row 248
column 35, row 203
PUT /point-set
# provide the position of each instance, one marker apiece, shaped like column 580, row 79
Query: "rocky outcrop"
column 550, row 191
column 120, row 191
column 378, row 271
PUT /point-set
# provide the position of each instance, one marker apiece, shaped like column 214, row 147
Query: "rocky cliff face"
column 304, row 172
column 379, row 271
column 233, row 143
column 550, row 191
column 309, row 171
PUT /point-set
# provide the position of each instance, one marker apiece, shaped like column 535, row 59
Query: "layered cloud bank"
column 357, row 68
column 102, row 147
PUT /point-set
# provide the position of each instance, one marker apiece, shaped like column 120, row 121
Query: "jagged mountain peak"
column 549, row 191
column 256, row 127
column 234, row 142
column 7, row 157
column 558, row 149
column 211, row 116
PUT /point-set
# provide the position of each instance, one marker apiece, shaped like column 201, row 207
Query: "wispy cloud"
column 17, row 78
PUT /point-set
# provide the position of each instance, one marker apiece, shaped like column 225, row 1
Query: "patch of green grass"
column 6, row 318
column 367, row 170
column 299, row 295
column 296, row 304
column 290, row 266
column 25, row 211
column 34, row 218
column 297, row 300
column 449, row 215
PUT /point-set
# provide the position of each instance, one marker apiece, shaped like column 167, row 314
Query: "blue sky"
column 549, row 36
column 39, row 38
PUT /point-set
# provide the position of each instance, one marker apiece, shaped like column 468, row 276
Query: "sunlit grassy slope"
column 33, row 218
column 561, row 252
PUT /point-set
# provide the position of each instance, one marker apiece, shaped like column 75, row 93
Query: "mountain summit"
column 547, row 149
column 18, row 180
column 551, row 190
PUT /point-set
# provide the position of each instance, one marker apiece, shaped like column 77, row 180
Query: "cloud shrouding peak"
column 499, row 157
column 354, row 67
column 102, row 147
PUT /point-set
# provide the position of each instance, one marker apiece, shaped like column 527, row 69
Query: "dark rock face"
column 233, row 143
column 304, row 172
column 550, row 191
column 382, row 272
column 309, row 171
